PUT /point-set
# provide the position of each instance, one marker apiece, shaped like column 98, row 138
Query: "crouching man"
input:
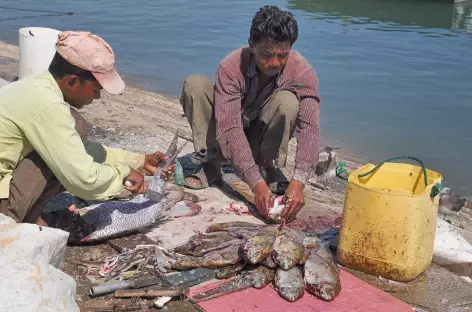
column 264, row 94
column 43, row 145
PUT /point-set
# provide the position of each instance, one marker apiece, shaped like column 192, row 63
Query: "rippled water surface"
column 395, row 76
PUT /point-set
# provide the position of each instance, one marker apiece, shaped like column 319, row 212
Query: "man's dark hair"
column 274, row 25
column 59, row 68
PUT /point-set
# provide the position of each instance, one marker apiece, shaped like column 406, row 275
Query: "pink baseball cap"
column 91, row 53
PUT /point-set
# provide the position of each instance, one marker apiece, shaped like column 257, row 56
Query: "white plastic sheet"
column 30, row 275
column 451, row 249
column 3, row 82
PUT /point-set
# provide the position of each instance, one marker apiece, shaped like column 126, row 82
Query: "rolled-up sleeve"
column 307, row 131
column 121, row 156
column 230, row 134
column 52, row 134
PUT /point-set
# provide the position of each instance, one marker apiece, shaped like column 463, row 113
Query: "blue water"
column 395, row 76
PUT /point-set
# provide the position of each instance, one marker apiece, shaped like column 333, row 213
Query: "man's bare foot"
column 194, row 182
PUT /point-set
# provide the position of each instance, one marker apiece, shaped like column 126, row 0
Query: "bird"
column 326, row 167
column 31, row 33
column 450, row 203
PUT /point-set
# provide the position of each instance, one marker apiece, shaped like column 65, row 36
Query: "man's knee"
column 287, row 104
column 80, row 124
column 196, row 85
column 29, row 181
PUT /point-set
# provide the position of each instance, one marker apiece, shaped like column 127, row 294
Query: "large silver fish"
column 322, row 275
column 116, row 217
column 326, row 254
column 229, row 271
column 262, row 276
column 290, row 284
column 184, row 263
column 213, row 260
column 199, row 236
column 293, row 234
column 287, row 252
column 221, row 258
column 320, row 246
column 200, row 246
column 269, row 262
column 259, row 247
column 200, row 251
column 243, row 233
column 227, row 226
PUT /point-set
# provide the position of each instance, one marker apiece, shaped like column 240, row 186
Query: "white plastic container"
column 37, row 49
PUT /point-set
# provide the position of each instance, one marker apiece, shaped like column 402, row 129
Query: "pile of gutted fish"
column 264, row 254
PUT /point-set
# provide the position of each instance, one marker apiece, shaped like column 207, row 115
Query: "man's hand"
column 264, row 198
column 168, row 172
column 135, row 183
column 294, row 200
column 152, row 161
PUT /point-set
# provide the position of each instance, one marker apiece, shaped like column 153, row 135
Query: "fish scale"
column 115, row 217
column 156, row 189
column 322, row 277
column 290, row 284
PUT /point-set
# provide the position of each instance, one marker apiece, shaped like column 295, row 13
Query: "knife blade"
column 156, row 189
column 110, row 287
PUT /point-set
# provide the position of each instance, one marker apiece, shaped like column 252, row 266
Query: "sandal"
column 199, row 158
column 196, row 179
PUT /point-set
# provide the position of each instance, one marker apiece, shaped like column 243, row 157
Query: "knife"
column 156, row 188
column 110, row 287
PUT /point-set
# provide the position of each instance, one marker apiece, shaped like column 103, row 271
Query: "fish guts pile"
column 265, row 254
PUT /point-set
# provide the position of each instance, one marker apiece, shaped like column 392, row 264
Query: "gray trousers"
column 268, row 136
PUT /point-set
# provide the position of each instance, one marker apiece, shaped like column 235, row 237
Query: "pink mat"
column 356, row 295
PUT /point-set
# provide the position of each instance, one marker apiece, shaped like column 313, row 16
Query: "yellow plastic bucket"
column 389, row 220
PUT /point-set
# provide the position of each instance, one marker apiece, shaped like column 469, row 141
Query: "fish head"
column 329, row 291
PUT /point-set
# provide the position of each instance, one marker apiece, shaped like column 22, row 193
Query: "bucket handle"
column 434, row 191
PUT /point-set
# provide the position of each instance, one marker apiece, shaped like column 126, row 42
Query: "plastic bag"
column 451, row 249
column 30, row 260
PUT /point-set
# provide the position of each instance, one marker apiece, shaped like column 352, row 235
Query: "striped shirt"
column 237, row 102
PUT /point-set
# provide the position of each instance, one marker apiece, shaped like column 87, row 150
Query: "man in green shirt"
column 43, row 145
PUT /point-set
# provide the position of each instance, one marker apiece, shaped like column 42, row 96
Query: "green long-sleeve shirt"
column 34, row 116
